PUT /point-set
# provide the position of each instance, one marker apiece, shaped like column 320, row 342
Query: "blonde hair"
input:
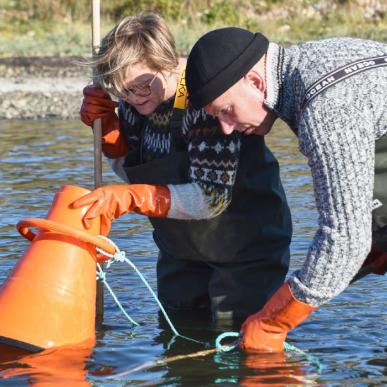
column 144, row 38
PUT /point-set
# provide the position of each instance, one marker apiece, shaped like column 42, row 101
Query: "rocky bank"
column 41, row 87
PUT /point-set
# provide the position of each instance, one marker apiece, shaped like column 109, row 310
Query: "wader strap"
column 340, row 74
column 181, row 93
column 179, row 106
column 176, row 121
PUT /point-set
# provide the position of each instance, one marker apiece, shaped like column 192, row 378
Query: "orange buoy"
column 48, row 299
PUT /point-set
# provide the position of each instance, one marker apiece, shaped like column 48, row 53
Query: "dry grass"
column 46, row 27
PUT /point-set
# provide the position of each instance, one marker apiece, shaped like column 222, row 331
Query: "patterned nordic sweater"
column 337, row 133
column 213, row 156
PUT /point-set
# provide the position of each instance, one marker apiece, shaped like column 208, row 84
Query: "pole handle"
column 97, row 130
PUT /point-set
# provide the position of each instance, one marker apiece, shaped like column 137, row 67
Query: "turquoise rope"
column 120, row 256
column 227, row 348
column 312, row 359
column 130, row 263
column 102, row 276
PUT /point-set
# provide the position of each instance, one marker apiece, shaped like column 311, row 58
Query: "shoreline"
column 41, row 87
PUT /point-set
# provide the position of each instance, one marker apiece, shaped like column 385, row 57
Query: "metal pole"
column 96, row 39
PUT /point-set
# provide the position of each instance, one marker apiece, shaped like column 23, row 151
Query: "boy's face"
column 241, row 108
column 144, row 88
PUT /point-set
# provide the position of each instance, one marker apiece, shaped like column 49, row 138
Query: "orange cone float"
column 49, row 298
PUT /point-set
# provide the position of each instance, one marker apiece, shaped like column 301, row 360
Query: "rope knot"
column 101, row 276
column 119, row 256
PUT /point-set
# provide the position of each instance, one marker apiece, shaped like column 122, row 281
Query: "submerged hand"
column 267, row 329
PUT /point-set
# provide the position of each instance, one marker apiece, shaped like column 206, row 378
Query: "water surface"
column 347, row 335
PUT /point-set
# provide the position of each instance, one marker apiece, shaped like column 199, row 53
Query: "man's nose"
column 227, row 127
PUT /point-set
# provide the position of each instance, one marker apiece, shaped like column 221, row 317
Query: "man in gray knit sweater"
column 333, row 95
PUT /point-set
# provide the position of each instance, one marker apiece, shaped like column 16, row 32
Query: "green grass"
column 51, row 40
column 45, row 27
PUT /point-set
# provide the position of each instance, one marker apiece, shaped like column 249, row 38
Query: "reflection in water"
column 188, row 363
column 63, row 365
column 347, row 335
column 274, row 369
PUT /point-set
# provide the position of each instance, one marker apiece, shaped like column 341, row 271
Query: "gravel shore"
column 41, row 87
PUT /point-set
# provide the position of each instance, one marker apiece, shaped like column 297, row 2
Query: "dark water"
column 348, row 335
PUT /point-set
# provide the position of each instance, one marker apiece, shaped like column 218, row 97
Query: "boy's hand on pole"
column 98, row 104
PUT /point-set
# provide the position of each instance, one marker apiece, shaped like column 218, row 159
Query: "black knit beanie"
column 219, row 59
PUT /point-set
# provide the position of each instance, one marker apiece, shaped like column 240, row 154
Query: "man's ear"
column 255, row 79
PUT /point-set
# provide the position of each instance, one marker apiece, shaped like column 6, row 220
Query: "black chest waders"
column 232, row 263
column 379, row 213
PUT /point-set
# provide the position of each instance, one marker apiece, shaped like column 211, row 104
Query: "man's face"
column 241, row 108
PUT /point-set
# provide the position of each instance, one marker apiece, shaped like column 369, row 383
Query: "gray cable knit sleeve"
column 338, row 140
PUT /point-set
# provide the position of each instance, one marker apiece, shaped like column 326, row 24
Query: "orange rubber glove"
column 267, row 329
column 112, row 201
column 98, row 104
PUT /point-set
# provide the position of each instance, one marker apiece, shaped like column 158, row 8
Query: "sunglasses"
column 143, row 89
